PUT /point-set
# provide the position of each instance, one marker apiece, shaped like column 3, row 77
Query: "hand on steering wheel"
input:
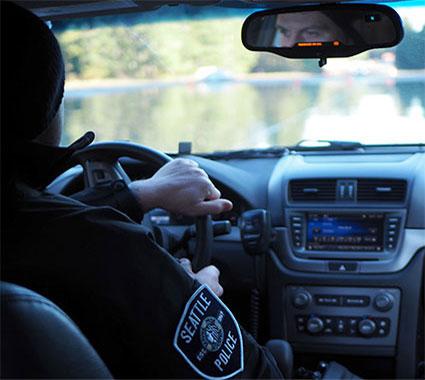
column 100, row 164
column 181, row 187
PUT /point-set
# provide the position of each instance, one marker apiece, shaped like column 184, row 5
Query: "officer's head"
column 32, row 78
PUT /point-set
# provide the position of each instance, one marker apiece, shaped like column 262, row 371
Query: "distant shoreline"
column 76, row 87
column 129, row 82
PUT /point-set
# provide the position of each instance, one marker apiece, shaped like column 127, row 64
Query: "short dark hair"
column 32, row 74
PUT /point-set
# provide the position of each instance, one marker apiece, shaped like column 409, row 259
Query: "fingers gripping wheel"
column 101, row 165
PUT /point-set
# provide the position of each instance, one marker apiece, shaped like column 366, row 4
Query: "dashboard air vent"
column 309, row 190
column 381, row 190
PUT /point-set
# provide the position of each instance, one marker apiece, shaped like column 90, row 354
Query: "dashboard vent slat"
column 309, row 190
column 381, row 190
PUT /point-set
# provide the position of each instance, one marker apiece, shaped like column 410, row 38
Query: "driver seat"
column 38, row 340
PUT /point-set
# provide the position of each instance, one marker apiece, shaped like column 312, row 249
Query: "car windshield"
column 182, row 74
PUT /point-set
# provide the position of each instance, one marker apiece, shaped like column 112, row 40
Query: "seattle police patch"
column 208, row 336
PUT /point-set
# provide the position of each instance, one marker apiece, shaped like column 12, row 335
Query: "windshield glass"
column 182, row 74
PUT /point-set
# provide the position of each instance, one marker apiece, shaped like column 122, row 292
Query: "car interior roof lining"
column 60, row 9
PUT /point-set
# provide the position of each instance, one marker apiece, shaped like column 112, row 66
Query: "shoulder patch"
column 208, row 336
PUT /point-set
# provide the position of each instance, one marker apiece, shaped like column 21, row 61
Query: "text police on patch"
column 208, row 336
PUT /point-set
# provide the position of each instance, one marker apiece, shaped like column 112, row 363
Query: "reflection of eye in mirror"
column 297, row 28
column 331, row 31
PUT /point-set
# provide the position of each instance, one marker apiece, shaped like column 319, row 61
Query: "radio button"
column 301, row 299
column 342, row 267
column 383, row 302
column 327, row 300
column 355, row 301
column 367, row 327
column 300, row 322
column 340, row 326
column 383, row 326
column 315, row 325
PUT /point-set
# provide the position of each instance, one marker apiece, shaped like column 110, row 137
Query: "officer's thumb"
column 215, row 206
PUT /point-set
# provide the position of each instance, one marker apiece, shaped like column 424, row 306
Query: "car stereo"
column 344, row 232
column 319, row 232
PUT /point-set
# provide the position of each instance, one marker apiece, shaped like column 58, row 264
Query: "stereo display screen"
column 345, row 232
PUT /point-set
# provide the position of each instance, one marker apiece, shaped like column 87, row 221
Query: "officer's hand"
column 208, row 275
column 180, row 187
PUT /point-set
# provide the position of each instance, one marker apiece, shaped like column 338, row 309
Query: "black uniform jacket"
column 125, row 292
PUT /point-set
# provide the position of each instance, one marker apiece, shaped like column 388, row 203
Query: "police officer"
column 146, row 314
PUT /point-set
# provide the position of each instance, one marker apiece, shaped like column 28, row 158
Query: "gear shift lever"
column 282, row 352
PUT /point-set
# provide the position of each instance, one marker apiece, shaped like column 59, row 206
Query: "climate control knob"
column 366, row 327
column 383, row 301
column 315, row 325
column 301, row 299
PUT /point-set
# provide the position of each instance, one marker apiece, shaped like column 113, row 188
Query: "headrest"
column 38, row 340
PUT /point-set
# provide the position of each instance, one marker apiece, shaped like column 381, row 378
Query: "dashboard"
column 344, row 275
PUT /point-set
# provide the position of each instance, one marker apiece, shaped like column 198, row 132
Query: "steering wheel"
column 100, row 162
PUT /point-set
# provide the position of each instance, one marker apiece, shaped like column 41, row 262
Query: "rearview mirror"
column 322, row 31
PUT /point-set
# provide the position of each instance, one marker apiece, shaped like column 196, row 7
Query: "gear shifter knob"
column 282, row 352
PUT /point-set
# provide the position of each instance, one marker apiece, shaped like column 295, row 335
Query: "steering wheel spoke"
column 98, row 172
column 101, row 165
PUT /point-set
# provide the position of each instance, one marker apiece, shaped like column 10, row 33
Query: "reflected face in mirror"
column 315, row 26
column 337, row 30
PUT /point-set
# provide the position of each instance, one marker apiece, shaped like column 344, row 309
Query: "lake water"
column 234, row 115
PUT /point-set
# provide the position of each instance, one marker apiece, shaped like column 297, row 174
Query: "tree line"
column 170, row 48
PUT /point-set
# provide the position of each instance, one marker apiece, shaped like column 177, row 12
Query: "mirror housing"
column 322, row 31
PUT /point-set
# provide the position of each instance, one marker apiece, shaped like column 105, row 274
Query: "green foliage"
column 410, row 54
column 150, row 51
column 180, row 47
column 270, row 110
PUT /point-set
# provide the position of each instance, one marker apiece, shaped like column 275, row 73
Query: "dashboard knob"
column 315, row 325
column 383, row 302
column 301, row 299
column 367, row 327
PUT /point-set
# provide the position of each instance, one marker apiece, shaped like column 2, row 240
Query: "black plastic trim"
column 408, row 281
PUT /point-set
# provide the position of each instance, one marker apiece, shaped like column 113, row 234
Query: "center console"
column 345, row 267
column 342, row 240
column 348, row 315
